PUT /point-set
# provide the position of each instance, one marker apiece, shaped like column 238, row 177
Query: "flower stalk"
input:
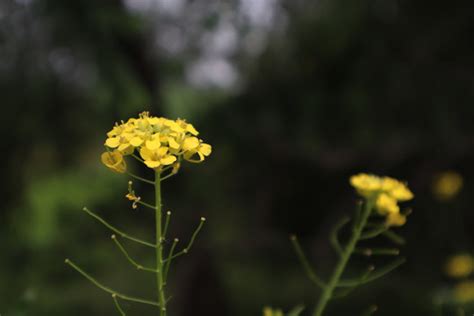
column 345, row 255
column 159, row 249
column 161, row 145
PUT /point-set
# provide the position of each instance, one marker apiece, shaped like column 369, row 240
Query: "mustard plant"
column 375, row 215
column 161, row 145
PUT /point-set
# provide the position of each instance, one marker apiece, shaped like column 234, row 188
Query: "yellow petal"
column 125, row 148
column 190, row 143
column 386, row 204
column 395, row 219
column 153, row 144
column 146, row 153
column 136, row 141
column 205, row 149
column 402, row 193
column 173, row 143
column 112, row 142
column 168, row 160
column 190, row 128
column 152, row 163
column 162, row 151
column 114, row 161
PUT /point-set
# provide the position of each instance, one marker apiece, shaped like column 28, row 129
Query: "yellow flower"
column 447, row 185
column 202, row 150
column 157, row 158
column 395, row 219
column 386, row 192
column 159, row 141
column 460, row 266
column 464, row 292
column 386, row 204
column 368, row 185
column 114, row 161
column 268, row 311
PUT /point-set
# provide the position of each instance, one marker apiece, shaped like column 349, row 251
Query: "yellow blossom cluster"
column 464, row 292
column 447, row 185
column 386, row 192
column 159, row 142
column 460, row 266
column 268, row 311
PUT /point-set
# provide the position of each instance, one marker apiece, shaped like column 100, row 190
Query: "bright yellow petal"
column 190, row 128
column 152, row 163
column 146, row 153
column 190, row 143
column 113, row 142
column 153, row 144
column 136, row 141
column 395, row 219
column 205, row 149
column 114, row 161
column 168, row 160
column 386, row 204
column 401, row 193
column 162, row 151
column 173, row 143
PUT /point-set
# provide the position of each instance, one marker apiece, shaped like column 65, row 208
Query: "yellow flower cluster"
column 464, row 292
column 447, row 185
column 460, row 266
column 160, row 142
column 268, row 311
column 387, row 192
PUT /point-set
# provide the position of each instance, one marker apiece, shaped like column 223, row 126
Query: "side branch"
column 334, row 239
column 140, row 178
column 133, row 262
column 190, row 244
column 109, row 290
column 304, row 262
column 120, row 233
column 375, row 275
column 119, row 308
column 168, row 263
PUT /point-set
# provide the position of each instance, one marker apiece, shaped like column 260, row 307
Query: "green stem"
column 344, row 259
column 119, row 308
column 117, row 231
column 107, row 289
column 159, row 250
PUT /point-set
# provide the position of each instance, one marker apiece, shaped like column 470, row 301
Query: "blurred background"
column 295, row 96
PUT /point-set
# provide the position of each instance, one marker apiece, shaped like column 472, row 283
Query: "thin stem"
column 140, row 178
column 373, row 233
column 159, row 250
column 119, row 232
column 168, row 263
column 378, row 251
column 374, row 275
column 344, row 259
column 190, row 244
column 107, row 289
column 138, row 158
column 167, row 222
column 394, row 237
column 305, row 263
column 334, row 239
column 120, row 310
column 168, row 176
column 357, row 282
column 146, row 204
column 133, row 262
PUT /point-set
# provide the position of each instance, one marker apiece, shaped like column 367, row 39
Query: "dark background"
column 294, row 96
